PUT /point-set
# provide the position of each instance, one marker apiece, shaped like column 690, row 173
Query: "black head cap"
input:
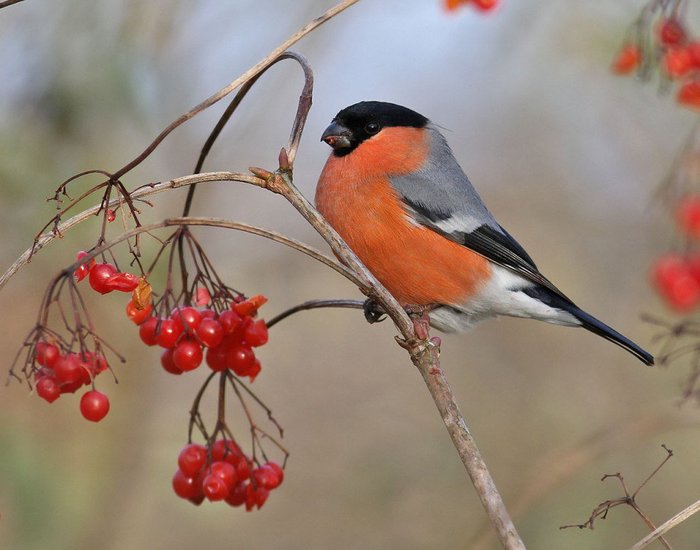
column 361, row 121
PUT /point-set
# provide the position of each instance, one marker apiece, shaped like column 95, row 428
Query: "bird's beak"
column 337, row 136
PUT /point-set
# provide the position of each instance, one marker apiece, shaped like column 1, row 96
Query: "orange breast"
column 415, row 264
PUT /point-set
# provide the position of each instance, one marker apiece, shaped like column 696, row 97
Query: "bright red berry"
column 68, row 369
column 255, row 497
column 240, row 359
column 192, row 459
column 94, row 405
column 214, row 488
column 46, row 354
column 187, row 355
column 237, row 495
column 111, row 216
column 189, row 487
column 216, row 358
column 168, row 333
column 48, row 388
column 249, row 307
column 99, row 275
column 230, row 321
column 210, row 332
column 123, row 282
column 225, row 448
column 83, row 270
column 147, row 331
column 186, row 317
column 225, row 471
column 266, row 477
column 676, row 282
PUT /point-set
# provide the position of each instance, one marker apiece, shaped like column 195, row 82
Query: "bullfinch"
column 395, row 193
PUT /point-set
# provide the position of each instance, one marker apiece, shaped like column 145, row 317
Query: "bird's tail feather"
column 601, row 329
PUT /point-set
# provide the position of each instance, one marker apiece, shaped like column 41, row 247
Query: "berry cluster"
column 663, row 43
column 482, row 5
column 64, row 372
column 190, row 335
column 223, row 472
column 676, row 276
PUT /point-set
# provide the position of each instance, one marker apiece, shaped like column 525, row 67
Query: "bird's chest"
column 415, row 264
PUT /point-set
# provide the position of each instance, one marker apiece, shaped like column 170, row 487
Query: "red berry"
column 225, row 471
column 216, row 358
column 185, row 486
column 688, row 216
column 186, row 317
column 230, row 320
column 677, row 61
column 214, row 488
column 671, row 32
column 255, row 497
column 485, row 5
column 47, row 388
column 694, row 49
column 83, row 270
column 243, row 469
column 111, row 216
column 94, row 405
column 223, row 449
column 277, row 469
column 266, row 477
column 68, row 369
column 46, row 354
column 240, row 359
column 147, row 331
column 99, row 275
column 256, row 333
column 210, row 332
column 689, row 94
column 123, row 282
column 237, row 495
column 254, row 370
column 202, row 297
column 187, row 355
column 166, row 360
column 192, row 459
column 136, row 315
column 676, row 282
column 627, row 59
column 168, row 333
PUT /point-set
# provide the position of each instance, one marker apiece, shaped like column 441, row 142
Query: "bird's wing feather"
column 440, row 197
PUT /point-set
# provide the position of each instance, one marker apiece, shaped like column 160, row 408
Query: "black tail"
column 589, row 322
column 601, row 329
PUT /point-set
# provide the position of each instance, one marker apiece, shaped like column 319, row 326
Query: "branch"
column 668, row 525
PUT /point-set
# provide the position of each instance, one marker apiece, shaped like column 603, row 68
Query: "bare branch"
column 668, row 525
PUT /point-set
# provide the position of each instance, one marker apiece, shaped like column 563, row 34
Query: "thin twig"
column 668, row 525
column 315, row 304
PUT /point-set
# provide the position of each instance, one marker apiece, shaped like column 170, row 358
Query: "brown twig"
column 315, row 304
column 7, row 3
column 662, row 529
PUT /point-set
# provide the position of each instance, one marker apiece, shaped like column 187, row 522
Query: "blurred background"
column 566, row 155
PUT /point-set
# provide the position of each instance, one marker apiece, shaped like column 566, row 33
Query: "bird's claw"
column 373, row 311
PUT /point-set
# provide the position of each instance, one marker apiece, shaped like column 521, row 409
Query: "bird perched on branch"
column 395, row 193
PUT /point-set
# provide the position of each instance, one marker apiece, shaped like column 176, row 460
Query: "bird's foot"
column 374, row 313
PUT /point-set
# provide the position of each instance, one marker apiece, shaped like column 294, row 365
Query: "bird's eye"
column 372, row 128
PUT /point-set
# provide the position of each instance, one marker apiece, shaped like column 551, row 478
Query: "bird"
column 393, row 190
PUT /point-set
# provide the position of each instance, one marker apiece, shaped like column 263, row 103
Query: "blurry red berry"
column 627, row 59
column 187, row 355
column 688, row 216
column 222, row 449
column 266, row 477
column 46, row 354
column 210, row 332
column 136, row 315
column 94, row 405
column 254, row 370
column 230, row 320
column 166, row 361
column 485, row 5
column 202, row 297
column 99, row 275
column 192, row 459
column 250, row 306
column 68, row 369
column 83, row 270
column 671, row 32
column 677, row 61
column 147, row 331
column 676, row 283
column 255, row 497
column 689, row 94
column 111, row 216
column 47, row 388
